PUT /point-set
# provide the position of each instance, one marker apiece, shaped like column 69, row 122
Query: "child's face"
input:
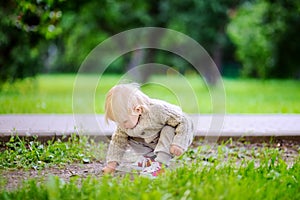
column 130, row 122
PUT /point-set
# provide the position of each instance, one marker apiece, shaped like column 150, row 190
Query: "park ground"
column 289, row 151
column 56, row 169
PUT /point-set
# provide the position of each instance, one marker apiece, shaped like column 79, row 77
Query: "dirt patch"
column 13, row 178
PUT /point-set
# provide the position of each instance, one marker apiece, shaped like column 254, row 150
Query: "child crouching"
column 156, row 129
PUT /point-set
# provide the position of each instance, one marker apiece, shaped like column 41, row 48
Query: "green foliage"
column 210, row 18
column 260, row 30
column 73, row 30
column 24, row 153
column 57, row 35
column 38, row 16
column 267, row 176
column 205, row 22
column 95, row 21
column 254, row 47
column 24, row 27
column 287, row 41
column 17, row 51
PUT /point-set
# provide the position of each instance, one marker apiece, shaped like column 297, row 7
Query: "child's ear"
column 138, row 110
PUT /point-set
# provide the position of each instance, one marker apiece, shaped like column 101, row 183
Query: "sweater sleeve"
column 173, row 116
column 117, row 146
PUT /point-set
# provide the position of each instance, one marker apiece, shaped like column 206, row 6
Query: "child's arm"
column 116, row 150
column 183, row 131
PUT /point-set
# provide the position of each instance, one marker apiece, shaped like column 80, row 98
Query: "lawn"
column 231, row 170
column 53, row 94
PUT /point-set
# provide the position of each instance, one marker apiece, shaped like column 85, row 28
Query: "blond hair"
column 122, row 99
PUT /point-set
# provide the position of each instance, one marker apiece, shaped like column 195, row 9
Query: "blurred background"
column 246, row 38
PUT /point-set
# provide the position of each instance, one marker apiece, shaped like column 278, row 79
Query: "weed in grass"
column 21, row 153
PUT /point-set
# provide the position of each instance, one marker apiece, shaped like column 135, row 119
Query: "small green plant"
column 24, row 153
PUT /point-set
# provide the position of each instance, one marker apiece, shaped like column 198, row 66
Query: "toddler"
column 154, row 128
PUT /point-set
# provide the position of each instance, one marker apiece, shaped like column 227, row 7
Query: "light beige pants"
column 159, row 148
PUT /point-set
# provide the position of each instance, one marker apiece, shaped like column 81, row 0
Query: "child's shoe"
column 143, row 163
column 155, row 169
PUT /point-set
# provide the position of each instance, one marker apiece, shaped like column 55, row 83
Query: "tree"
column 86, row 26
column 262, row 32
column 92, row 22
column 23, row 25
column 205, row 21
column 287, row 63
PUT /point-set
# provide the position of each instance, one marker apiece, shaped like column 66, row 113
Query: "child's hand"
column 176, row 150
column 110, row 168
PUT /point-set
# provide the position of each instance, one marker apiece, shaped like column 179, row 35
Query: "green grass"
column 53, row 94
column 32, row 154
column 221, row 175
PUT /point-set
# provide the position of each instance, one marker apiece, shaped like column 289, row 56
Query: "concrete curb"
column 249, row 127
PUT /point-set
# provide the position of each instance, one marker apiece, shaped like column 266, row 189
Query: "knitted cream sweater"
column 150, row 123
